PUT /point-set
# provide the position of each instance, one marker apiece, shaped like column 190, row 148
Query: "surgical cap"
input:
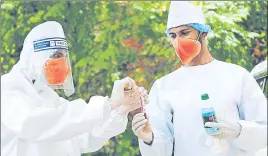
column 186, row 13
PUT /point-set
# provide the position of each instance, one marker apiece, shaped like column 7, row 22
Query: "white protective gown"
column 35, row 121
column 176, row 96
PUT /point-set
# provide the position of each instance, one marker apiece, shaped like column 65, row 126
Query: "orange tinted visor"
column 56, row 70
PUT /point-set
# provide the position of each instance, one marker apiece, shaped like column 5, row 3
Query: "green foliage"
column 112, row 40
column 258, row 23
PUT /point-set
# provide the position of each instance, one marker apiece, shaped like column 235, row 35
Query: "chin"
column 196, row 58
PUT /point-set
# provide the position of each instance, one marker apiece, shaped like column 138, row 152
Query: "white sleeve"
column 94, row 140
column 160, row 117
column 22, row 116
column 253, row 114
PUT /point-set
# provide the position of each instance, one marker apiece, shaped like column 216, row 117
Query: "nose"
column 176, row 41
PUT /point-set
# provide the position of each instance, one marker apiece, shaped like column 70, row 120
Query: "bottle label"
column 208, row 115
column 208, row 119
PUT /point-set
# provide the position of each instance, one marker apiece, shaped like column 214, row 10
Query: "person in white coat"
column 36, row 121
column 175, row 124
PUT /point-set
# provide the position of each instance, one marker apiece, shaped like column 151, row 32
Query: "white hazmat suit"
column 35, row 121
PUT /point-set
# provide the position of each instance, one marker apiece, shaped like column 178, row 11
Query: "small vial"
column 142, row 109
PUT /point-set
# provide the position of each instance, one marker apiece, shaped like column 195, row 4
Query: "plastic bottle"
column 208, row 113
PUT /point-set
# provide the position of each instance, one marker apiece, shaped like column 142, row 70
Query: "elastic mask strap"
column 199, row 34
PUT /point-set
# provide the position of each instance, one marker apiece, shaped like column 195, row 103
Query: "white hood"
column 29, row 63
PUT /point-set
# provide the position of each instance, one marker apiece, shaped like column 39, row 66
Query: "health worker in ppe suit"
column 175, row 119
column 35, row 121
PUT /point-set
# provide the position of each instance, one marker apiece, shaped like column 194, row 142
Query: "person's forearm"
column 149, row 141
column 253, row 136
column 160, row 145
column 115, row 125
column 59, row 123
column 95, row 139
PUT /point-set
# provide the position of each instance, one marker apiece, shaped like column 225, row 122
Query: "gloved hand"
column 127, row 95
column 144, row 95
column 144, row 101
column 135, row 98
column 142, row 128
column 226, row 130
column 118, row 96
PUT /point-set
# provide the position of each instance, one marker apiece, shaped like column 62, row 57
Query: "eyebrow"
column 180, row 30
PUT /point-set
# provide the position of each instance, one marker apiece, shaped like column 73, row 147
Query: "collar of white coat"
column 182, row 13
column 200, row 66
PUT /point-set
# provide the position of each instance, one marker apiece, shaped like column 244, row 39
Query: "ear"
column 204, row 34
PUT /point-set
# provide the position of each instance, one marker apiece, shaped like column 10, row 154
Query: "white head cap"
column 182, row 13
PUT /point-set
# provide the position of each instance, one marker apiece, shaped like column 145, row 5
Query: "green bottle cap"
column 204, row 97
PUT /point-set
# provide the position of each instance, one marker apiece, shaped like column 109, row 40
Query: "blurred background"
column 112, row 40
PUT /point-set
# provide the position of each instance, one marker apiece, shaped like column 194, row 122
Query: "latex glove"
column 226, row 130
column 144, row 95
column 142, row 128
column 118, row 96
column 144, row 101
column 134, row 98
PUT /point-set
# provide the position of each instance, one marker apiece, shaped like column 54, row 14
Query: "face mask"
column 56, row 70
column 187, row 49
